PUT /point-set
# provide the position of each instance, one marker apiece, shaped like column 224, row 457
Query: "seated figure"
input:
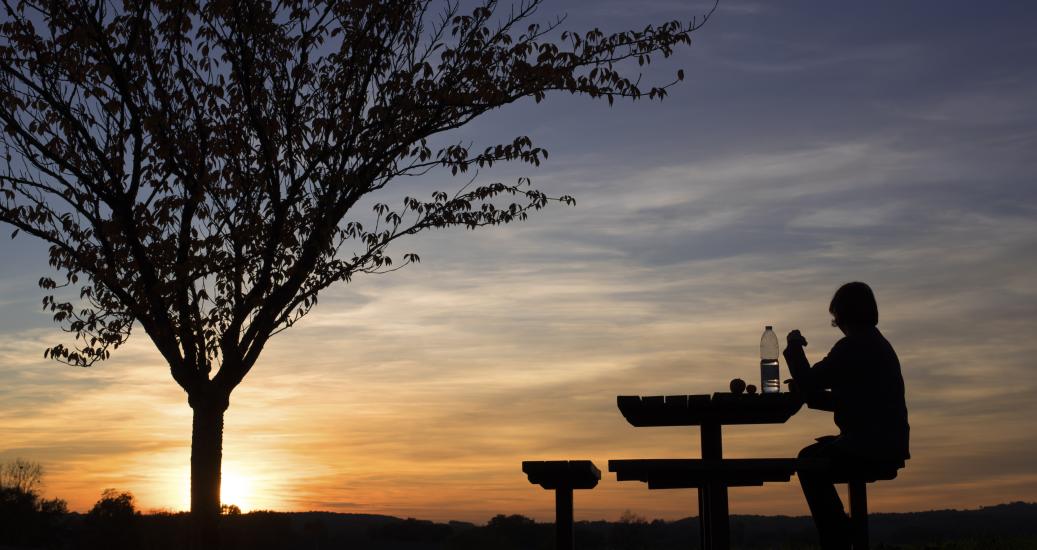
column 860, row 381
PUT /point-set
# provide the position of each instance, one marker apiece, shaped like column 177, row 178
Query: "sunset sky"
column 812, row 143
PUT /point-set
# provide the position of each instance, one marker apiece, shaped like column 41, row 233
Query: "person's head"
column 853, row 308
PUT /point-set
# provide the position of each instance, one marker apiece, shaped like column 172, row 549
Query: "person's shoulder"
column 850, row 340
column 874, row 344
column 841, row 346
column 876, row 335
column 866, row 335
column 857, row 342
column 885, row 343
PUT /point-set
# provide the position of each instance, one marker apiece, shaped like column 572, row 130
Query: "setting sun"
column 236, row 489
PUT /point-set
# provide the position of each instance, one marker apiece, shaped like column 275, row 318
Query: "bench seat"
column 689, row 473
column 562, row 474
column 862, row 471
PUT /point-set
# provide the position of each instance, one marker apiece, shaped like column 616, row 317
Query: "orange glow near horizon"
column 438, row 431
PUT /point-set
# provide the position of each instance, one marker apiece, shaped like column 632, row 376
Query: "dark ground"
column 1002, row 527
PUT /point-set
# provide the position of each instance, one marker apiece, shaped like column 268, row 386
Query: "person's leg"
column 823, row 500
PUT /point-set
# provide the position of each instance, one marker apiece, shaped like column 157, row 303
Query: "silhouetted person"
column 867, row 396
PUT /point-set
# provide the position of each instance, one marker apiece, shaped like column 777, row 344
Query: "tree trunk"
column 206, row 460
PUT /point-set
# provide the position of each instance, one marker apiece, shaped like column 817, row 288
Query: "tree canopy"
column 195, row 166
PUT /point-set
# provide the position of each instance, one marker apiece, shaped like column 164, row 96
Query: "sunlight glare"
column 236, row 489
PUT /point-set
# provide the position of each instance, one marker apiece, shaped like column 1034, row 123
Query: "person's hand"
column 796, row 339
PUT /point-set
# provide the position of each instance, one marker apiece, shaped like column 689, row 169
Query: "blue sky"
column 811, row 144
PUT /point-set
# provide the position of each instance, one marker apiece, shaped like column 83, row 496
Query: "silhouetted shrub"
column 26, row 519
column 412, row 530
column 630, row 533
column 230, row 510
column 514, row 532
column 259, row 530
column 112, row 522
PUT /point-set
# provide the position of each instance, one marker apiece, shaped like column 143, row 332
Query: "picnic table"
column 712, row 474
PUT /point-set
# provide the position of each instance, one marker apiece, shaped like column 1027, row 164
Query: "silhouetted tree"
column 195, row 167
column 504, row 532
column 27, row 519
column 17, row 509
column 21, row 475
column 630, row 532
column 230, row 510
column 112, row 522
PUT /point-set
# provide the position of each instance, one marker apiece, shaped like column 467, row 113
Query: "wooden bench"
column 711, row 477
column 748, row 472
column 693, row 473
column 563, row 476
column 856, row 476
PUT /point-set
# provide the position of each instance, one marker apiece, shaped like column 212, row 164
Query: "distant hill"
column 1004, row 527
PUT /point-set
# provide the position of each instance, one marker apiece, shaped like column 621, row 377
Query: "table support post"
column 718, row 517
column 712, row 448
column 714, row 517
column 564, row 535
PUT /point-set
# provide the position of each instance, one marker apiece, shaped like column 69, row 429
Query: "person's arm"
column 799, row 366
column 811, row 381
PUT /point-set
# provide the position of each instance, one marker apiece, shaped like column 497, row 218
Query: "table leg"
column 718, row 516
column 703, row 518
column 716, row 528
column 712, row 447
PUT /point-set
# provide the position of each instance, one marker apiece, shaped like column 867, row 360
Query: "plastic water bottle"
column 770, row 382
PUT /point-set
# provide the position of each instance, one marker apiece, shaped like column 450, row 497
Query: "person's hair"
column 854, row 306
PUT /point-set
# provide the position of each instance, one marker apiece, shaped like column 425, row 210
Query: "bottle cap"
column 768, row 327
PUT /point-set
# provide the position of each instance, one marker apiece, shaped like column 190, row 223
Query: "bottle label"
column 770, row 381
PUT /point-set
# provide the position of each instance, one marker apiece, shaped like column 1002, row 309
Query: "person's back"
column 868, row 395
column 860, row 381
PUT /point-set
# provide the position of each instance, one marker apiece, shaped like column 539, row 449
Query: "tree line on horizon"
column 29, row 521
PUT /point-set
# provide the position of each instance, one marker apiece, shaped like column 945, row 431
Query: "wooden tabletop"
column 718, row 408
